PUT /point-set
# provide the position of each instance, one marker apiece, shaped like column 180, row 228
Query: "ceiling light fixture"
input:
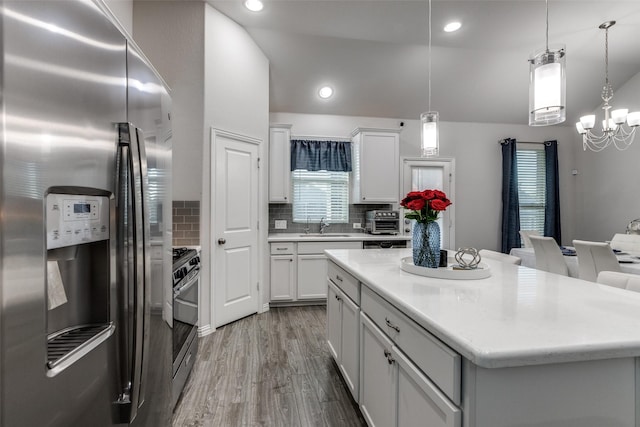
column 254, row 5
column 614, row 129
column 547, row 84
column 429, row 120
column 325, row 92
column 452, row 26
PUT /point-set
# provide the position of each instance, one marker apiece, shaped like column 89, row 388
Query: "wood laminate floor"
column 270, row 369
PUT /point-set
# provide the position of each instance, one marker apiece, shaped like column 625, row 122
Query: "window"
column 320, row 194
column 531, row 188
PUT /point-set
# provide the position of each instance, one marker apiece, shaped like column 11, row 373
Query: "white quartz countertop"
column 518, row 316
column 331, row 237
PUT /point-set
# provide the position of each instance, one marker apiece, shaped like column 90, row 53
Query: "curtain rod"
column 502, row 141
column 321, row 138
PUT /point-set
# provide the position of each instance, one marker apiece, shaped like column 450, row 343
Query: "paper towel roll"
column 56, row 295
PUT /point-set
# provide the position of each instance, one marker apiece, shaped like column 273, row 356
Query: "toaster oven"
column 382, row 222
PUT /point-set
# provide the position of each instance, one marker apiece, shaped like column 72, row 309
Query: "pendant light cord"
column 429, row 56
column 547, row 33
column 606, row 56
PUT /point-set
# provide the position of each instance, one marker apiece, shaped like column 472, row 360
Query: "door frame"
column 215, row 133
column 448, row 164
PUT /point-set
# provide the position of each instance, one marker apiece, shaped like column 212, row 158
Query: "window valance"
column 332, row 156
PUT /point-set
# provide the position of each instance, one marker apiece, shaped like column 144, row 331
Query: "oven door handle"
column 184, row 288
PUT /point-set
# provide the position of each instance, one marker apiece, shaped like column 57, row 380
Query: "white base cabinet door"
column 312, row 277
column 334, row 321
column 350, row 357
column 377, row 376
column 283, row 278
column 420, row 402
column 393, row 391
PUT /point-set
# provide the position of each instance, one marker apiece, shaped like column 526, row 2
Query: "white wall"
column 478, row 165
column 171, row 34
column 236, row 100
column 123, row 11
column 608, row 182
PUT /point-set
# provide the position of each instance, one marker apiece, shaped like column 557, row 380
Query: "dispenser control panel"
column 75, row 219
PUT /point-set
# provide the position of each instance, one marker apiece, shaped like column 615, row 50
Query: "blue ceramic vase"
column 426, row 244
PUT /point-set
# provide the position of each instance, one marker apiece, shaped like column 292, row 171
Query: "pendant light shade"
column 547, row 83
column 547, row 87
column 429, row 133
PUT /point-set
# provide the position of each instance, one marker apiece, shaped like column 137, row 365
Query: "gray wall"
column 478, row 165
column 608, row 183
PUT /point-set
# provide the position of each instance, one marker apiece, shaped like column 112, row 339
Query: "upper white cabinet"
column 279, row 163
column 376, row 166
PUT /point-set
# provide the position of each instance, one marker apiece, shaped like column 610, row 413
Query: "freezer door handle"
column 135, row 264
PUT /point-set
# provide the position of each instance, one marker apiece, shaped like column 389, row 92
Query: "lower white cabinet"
column 393, row 391
column 342, row 335
column 283, row 277
column 312, row 273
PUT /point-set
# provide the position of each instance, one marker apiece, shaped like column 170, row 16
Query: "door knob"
column 221, row 241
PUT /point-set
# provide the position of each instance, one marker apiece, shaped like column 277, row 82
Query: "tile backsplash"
column 284, row 211
column 186, row 223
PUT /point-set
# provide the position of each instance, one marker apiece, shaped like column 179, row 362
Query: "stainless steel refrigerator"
column 85, row 222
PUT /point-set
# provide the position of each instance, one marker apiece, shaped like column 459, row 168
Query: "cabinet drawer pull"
column 338, row 278
column 281, row 249
column 390, row 359
column 391, row 325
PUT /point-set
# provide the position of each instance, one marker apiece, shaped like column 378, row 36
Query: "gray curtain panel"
column 510, row 202
column 552, row 188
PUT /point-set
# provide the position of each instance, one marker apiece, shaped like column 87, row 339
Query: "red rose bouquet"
column 424, row 206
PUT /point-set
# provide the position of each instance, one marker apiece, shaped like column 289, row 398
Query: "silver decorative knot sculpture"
column 468, row 258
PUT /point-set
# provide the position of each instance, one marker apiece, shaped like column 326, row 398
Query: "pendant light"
column 429, row 120
column 547, row 84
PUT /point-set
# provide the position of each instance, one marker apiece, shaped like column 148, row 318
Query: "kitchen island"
column 520, row 348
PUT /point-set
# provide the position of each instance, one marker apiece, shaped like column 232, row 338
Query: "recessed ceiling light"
column 253, row 5
column 452, row 26
column 325, row 92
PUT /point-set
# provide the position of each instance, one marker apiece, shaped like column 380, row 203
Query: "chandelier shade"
column 619, row 126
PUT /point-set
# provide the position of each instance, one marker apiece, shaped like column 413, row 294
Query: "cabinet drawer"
column 434, row 358
column 283, row 248
column 319, row 247
column 345, row 281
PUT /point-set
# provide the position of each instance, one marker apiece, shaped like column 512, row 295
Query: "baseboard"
column 298, row 303
column 265, row 307
column 205, row 330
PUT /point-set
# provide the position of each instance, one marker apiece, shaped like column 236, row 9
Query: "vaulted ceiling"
column 374, row 54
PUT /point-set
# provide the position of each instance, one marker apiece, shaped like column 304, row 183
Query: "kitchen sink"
column 327, row 235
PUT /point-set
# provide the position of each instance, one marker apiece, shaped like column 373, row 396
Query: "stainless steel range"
column 186, row 284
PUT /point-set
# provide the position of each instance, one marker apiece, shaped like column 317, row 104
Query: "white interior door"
column 235, row 228
column 433, row 173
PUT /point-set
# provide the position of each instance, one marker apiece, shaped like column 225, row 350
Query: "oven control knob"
column 194, row 261
column 178, row 274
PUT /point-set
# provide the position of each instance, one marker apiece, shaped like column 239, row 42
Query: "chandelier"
column 614, row 129
column 547, row 83
column 429, row 120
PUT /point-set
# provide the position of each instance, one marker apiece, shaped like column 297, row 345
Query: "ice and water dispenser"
column 79, row 275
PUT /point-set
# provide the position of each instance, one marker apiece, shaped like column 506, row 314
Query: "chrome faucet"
column 323, row 225
column 306, row 230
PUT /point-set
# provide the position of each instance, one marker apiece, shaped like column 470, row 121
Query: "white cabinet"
column 299, row 270
column 312, row 267
column 312, row 273
column 394, row 392
column 283, row 271
column 377, row 375
column 343, row 326
column 280, row 164
column 376, row 166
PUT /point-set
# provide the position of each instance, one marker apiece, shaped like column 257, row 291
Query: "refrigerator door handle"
column 135, row 318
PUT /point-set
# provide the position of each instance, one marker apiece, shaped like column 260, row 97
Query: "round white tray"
column 482, row 272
